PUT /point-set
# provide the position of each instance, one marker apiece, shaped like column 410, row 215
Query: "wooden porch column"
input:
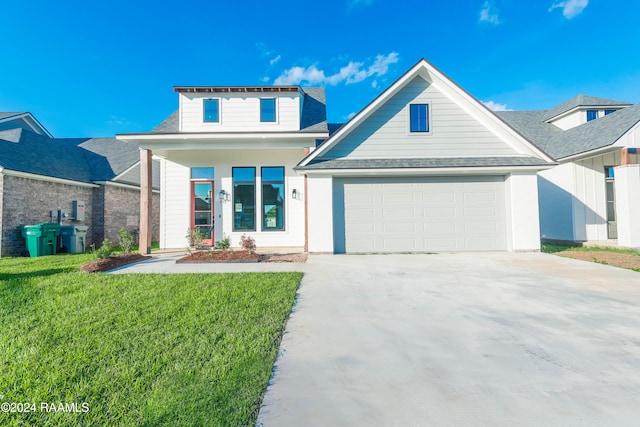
column 146, row 197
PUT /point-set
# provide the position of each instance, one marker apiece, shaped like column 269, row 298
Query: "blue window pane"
column 202, row 173
column 244, row 199
column 607, row 112
column 244, row 174
column 211, row 110
column 273, row 216
column 268, row 110
column 592, row 115
column 419, row 117
column 272, row 174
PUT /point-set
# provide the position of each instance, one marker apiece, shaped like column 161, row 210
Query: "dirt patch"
column 240, row 256
column 615, row 259
column 114, row 261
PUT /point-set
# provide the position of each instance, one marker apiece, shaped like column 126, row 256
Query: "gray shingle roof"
column 434, row 162
column 531, row 125
column 77, row 159
column 169, row 125
column 592, row 135
column 312, row 119
column 581, row 101
column 314, row 111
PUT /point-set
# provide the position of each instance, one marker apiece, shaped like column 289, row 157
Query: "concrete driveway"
column 489, row 339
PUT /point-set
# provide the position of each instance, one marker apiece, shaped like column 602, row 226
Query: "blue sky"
column 97, row 68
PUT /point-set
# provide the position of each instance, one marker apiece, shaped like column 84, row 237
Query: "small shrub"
column 125, row 240
column 195, row 237
column 247, row 243
column 224, row 244
column 105, row 250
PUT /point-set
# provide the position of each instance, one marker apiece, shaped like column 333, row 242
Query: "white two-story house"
column 227, row 158
column 423, row 167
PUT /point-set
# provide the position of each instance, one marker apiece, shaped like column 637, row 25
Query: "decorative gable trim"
column 467, row 102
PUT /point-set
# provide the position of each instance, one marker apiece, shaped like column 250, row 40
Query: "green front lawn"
column 140, row 350
column 553, row 248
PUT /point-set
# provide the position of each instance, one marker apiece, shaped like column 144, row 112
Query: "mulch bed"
column 603, row 257
column 240, row 256
column 114, row 261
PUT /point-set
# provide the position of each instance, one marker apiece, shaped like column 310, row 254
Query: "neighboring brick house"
column 39, row 174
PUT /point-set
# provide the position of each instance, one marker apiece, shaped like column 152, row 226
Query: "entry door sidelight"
column 610, row 194
column 202, row 209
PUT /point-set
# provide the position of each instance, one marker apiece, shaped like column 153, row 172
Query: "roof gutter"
column 18, row 174
column 486, row 170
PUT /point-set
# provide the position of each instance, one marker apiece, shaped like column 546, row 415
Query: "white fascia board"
column 585, row 108
column 239, row 144
column 422, row 171
column 27, row 175
column 363, row 114
column 221, row 136
column 591, row 153
column 487, row 117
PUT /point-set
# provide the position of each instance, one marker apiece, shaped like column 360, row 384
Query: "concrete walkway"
column 489, row 339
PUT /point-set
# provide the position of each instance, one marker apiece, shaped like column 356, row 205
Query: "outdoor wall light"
column 223, row 196
column 294, row 193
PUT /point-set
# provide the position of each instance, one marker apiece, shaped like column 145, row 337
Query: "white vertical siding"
column 239, row 112
column 321, row 213
column 223, row 161
column 521, row 194
column 453, row 131
column 589, row 203
column 175, row 209
column 555, row 195
column 627, row 182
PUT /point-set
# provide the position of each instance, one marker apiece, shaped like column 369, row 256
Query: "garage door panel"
column 423, row 214
column 399, row 227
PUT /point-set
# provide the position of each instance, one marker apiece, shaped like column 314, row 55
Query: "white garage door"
column 419, row 214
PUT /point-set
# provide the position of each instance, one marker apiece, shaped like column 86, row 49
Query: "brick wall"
column 107, row 209
column 28, row 201
column 122, row 209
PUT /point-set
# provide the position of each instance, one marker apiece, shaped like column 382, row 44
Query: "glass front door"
column 202, row 209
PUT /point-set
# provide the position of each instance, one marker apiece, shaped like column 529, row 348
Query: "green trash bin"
column 41, row 239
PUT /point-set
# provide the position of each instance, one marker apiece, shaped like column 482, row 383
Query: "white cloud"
column 493, row 106
column 353, row 4
column 271, row 54
column 489, row 13
column 353, row 72
column 275, row 60
column 570, row 8
column 349, row 116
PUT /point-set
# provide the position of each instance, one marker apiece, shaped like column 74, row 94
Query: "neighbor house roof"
column 7, row 115
column 313, row 117
column 77, row 159
column 10, row 120
column 581, row 101
column 593, row 135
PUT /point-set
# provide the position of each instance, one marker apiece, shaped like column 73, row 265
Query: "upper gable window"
column 419, row 117
column 607, row 112
column 592, row 115
column 211, row 108
column 267, row 109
